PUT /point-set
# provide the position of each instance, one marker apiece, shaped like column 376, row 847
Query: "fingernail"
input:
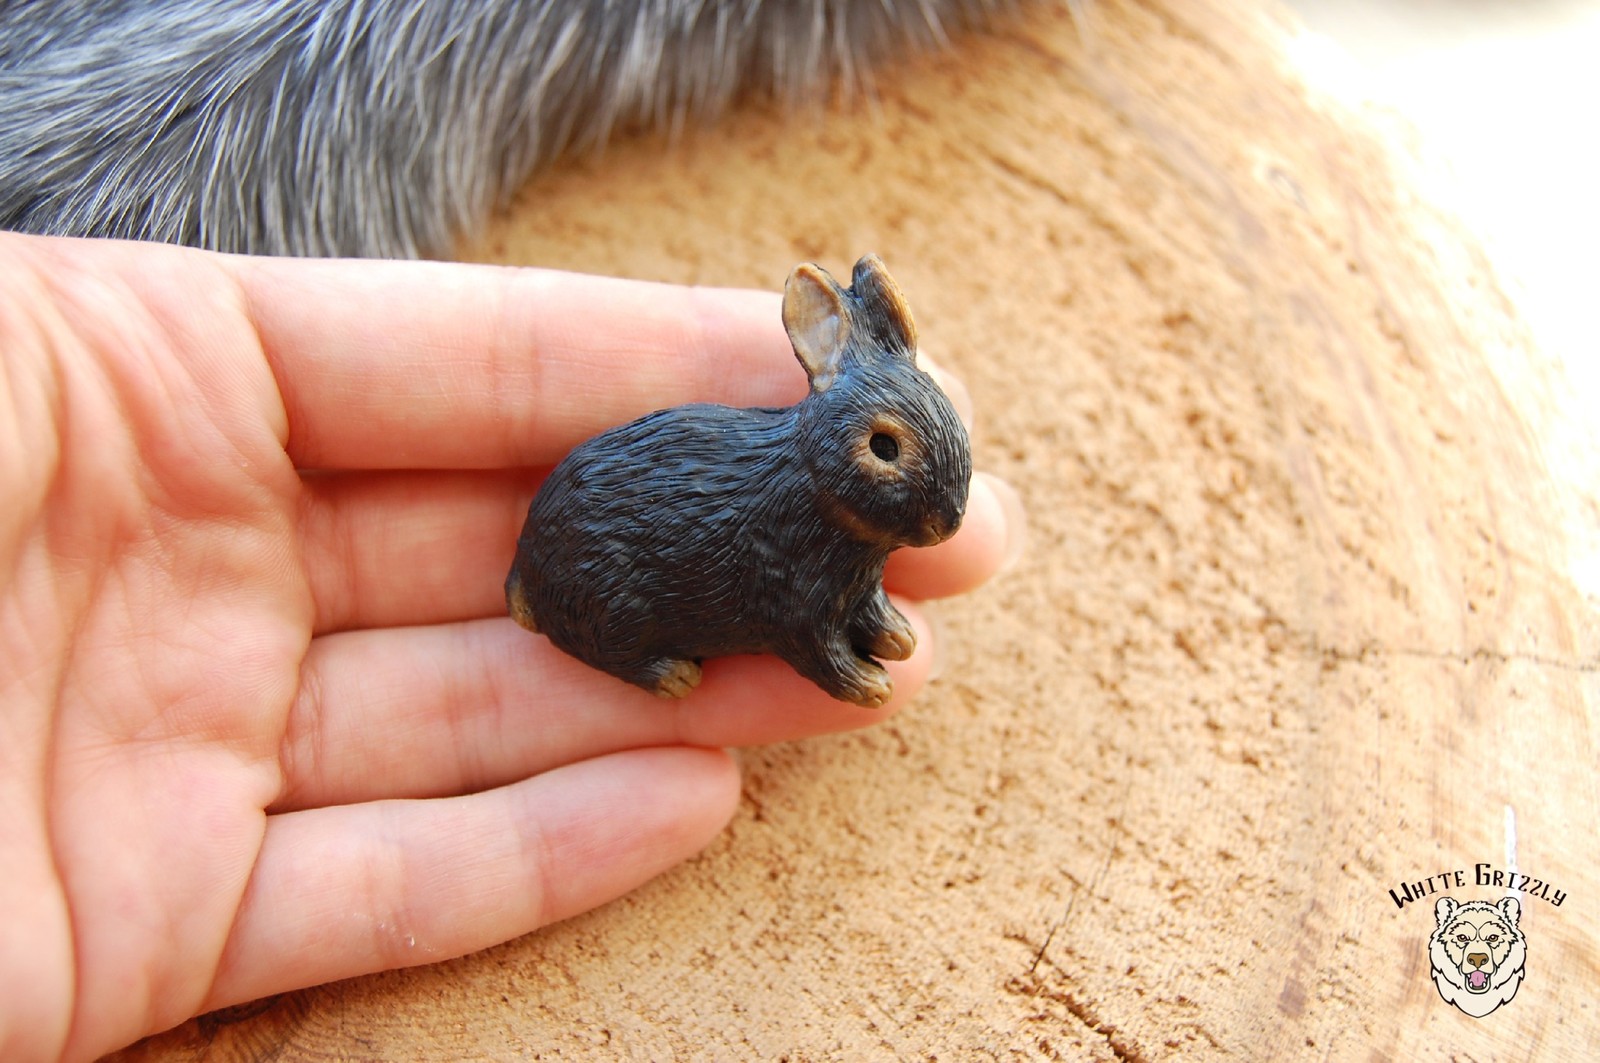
column 1016, row 519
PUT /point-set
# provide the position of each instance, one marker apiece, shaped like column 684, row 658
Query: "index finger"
column 446, row 365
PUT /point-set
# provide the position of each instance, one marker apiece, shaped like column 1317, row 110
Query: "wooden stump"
column 1296, row 624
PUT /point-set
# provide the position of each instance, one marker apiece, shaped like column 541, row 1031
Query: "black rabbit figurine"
column 704, row 530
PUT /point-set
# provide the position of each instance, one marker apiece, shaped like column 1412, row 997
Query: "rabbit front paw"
column 883, row 631
column 866, row 685
column 895, row 642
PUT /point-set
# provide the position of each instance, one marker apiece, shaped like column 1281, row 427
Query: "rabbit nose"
column 950, row 517
column 941, row 528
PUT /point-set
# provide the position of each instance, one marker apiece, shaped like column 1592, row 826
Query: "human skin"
column 263, row 723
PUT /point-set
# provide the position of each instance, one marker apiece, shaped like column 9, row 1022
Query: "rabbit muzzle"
column 939, row 528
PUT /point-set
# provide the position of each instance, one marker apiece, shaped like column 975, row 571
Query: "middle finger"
column 454, row 708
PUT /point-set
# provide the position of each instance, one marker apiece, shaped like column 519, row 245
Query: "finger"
column 388, row 548
column 446, row 365
column 991, row 538
column 424, row 712
column 349, row 890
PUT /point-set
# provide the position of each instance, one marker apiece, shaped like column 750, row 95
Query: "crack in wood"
column 1119, row 1045
column 1372, row 651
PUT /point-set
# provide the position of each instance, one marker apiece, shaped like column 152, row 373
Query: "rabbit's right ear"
column 818, row 321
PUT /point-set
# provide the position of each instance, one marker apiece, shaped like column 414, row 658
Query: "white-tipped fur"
column 378, row 127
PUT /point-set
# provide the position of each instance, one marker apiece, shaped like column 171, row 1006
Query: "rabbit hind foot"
column 517, row 603
column 674, row 678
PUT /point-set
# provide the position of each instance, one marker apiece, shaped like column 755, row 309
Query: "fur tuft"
column 348, row 127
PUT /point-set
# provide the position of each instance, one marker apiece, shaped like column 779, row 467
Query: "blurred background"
column 1503, row 97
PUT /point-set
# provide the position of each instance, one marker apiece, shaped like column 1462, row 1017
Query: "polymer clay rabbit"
column 704, row 530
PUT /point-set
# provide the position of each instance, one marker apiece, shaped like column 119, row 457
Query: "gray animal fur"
column 377, row 127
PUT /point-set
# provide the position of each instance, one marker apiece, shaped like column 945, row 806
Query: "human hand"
column 263, row 727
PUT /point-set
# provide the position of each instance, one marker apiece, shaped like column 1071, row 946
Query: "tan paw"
column 681, row 678
column 518, row 606
column 896, row 644
column 871, row 688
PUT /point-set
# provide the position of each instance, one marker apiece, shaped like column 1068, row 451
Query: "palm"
column 240, row 699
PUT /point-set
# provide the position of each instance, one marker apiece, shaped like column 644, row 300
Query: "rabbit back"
column 664, row 537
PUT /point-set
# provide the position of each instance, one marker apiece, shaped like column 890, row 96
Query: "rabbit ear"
column 818, row 321
column 881, row 298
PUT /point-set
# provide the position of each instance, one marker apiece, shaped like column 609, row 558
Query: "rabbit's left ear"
column 818, row 321
column 881, row 297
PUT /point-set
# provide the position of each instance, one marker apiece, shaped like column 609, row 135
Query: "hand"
column 263, row 727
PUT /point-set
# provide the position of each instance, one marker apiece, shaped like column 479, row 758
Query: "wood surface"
column 1296, row 624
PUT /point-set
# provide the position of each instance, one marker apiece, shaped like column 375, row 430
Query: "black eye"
column 885, row 446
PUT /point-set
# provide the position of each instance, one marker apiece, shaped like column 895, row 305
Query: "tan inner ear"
column 818, row 322
column 891, row 301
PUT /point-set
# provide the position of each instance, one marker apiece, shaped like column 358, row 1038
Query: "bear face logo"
column 1478, row 953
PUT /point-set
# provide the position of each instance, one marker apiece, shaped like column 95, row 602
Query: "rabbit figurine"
column 704, row 530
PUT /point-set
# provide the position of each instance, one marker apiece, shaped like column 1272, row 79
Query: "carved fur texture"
column 367, row 128
column 702, row 531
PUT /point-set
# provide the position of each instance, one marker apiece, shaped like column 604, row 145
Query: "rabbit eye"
column 885, row 446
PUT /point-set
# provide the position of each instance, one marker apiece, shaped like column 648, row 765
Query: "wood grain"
column 1296, row 624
